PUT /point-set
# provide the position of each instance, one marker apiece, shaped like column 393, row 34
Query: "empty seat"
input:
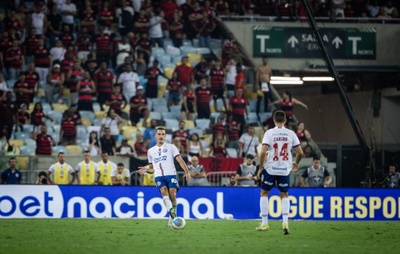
column 253, row 118
column 168, row 72
column 16, row 142
column 194, row 57
column 159, row 102
column 172, row 51
column 22, row 135
column 176, row 59
column 232, row 152
column 27, row 150
column 74, row 149
column 171, row 123
column 58, row 149
column 157, row 51
column 96, row 107
column 55, row 115
column 100, row 114
column 30, row 142
column 189, row 124
column 87, row 114
column 202, row 123
column 60, row 107
column 169, row 115
column 164, row 58
column 155, row 115
column 81, row 132
column 86, row 122
column 199, row 131
column 27, row 128
column 203, row 51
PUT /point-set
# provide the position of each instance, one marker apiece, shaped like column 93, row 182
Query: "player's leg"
column 172, row 196
column 267, row 182
column 173, row 187
column 283, row 185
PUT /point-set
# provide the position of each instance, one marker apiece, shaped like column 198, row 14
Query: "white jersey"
column 114, row 173
column 162, row 159
column 280, row 142
column 53, row 167
column 129, row 80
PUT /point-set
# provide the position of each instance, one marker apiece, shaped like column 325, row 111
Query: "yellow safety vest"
column 120, row 177
column 105, row 172
column 61, row 174
column 148, row 180
column 87, row 173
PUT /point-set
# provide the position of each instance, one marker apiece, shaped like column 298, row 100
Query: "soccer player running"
column 161, row 163
column 276, row 147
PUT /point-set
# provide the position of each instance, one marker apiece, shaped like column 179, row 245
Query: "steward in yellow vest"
column 106, row 167
column 121, row 175
column 87, row 171
column 61, row 171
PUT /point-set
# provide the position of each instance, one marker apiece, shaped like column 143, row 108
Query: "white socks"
column 167, row 202
column 285, row 209
column 264, row 206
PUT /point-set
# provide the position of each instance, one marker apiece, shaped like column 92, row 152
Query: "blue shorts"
column 174, row 97
column 169, row 181
column 268, row 181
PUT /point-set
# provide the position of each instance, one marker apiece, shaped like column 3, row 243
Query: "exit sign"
column 342, row 43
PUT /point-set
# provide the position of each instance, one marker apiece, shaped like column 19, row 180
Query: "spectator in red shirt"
column 188, row 103
column 185, row 73
column 68, row 131
column 174, row 87
column 15, row 60
column 22, row 91
column 116, row 100
column 239, row 79
column 176, row 30
column 106, row 16
column 8, row 114
column 37, row 116
column 44, row 142
column 203, row 96
column 141, row 145
column 238, row 107
column 152, row 74
column 204, row 28
column 103, row 79
column 23, row 117
column 139, row 108
column 32, row 78
column 169, row 7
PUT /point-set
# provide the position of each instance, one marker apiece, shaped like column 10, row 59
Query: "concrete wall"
column 388, row 47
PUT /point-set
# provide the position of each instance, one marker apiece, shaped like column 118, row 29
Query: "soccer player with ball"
column 276, row 147
column 161, row 163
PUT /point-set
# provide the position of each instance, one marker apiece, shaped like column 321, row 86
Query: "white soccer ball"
column 178, row 223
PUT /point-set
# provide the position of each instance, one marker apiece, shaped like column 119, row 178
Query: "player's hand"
column 142, row 170
column 295, row 167
column 188, row 177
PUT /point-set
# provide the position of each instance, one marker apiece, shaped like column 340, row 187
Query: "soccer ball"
column 178, row 223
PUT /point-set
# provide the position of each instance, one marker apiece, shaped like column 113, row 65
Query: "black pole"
column 345, row 101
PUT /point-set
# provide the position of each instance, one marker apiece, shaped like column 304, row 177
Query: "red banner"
column 220, row 164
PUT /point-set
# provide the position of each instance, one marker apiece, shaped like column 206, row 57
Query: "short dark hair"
column 249, row 156
column 160, row 129
column 12, row 158
column 316, row 158
column 279, row 116
column 120, row 164
column 60, row 153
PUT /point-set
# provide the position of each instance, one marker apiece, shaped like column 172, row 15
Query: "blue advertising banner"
column 51, row 201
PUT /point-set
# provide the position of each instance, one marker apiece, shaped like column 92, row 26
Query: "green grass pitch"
column 115, row 236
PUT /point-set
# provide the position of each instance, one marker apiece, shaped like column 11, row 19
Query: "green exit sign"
column 342, row 43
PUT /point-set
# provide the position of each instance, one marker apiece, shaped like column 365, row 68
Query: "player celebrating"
column 161, row 163
column 277, row 145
